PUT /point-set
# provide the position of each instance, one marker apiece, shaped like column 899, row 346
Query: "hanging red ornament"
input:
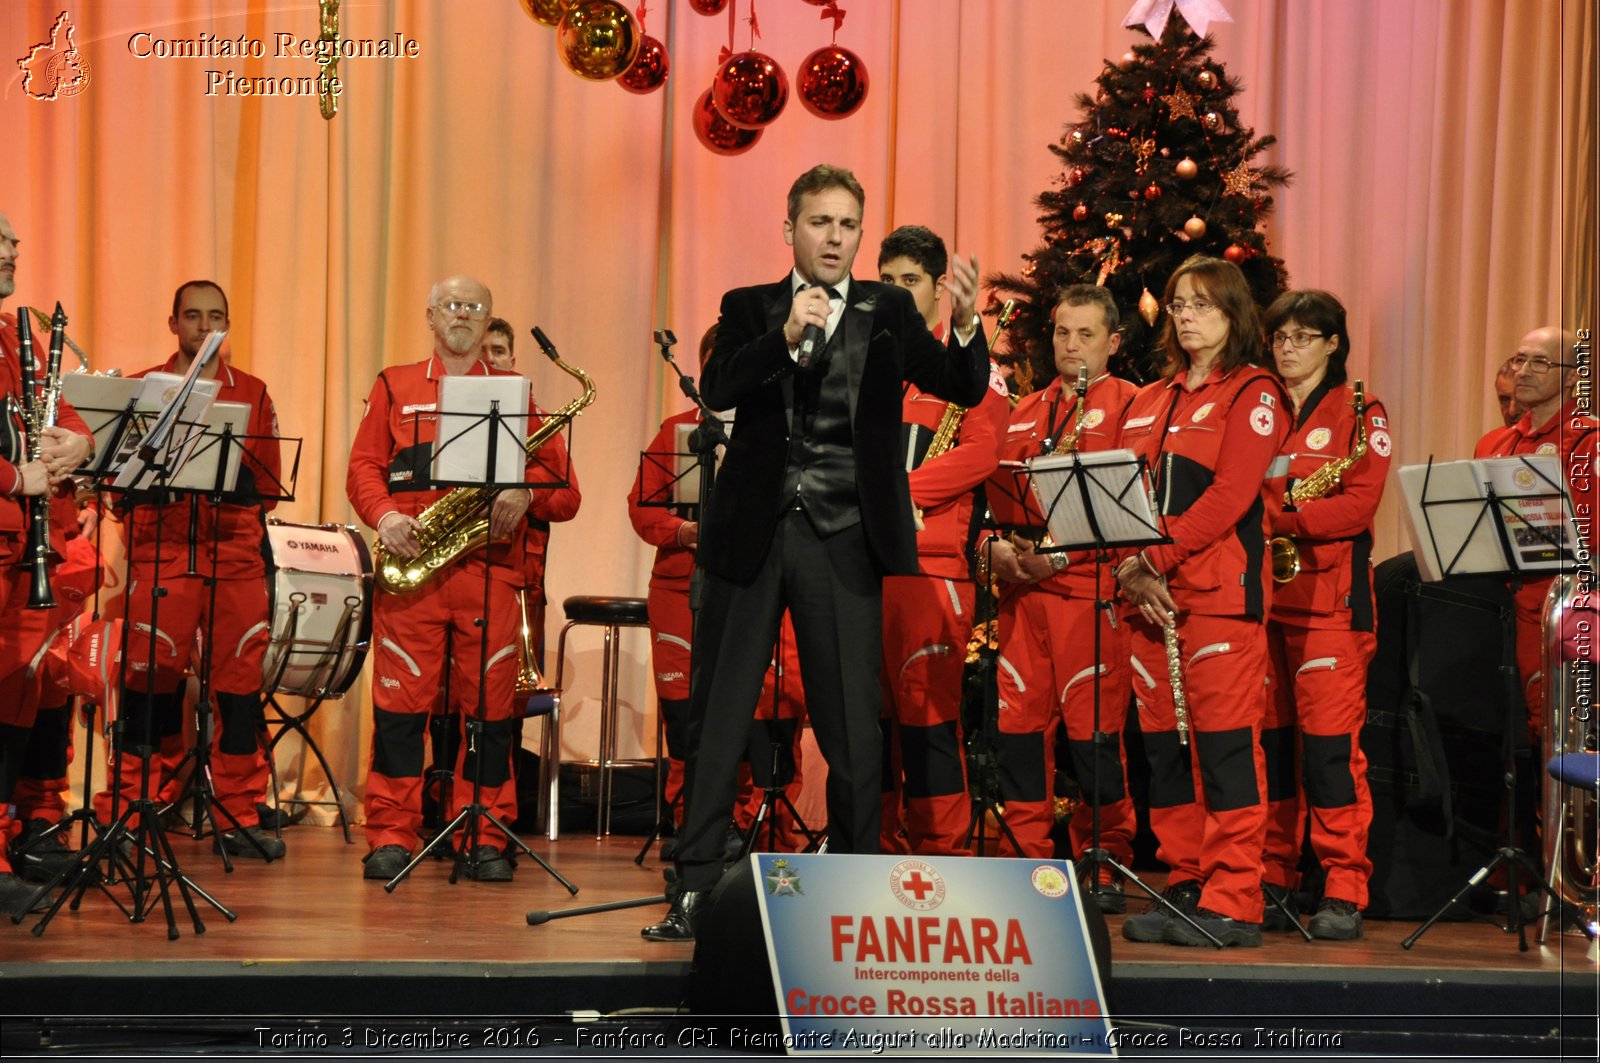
column 545, row 12
column 750, row 90
column 1187, row 168
column 649, row 70
column 597, row 39
column 708, row 7
column 1080, row 212
column 1212, row 121
column 1148, row 94
column 1206, row 80
column 1152, row 192
column 1074, row 176
column 832, row 82
column 1194, row 228
column 717, row 133
column 1235, row 254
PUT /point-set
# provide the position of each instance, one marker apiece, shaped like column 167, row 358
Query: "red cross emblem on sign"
column 916, row 885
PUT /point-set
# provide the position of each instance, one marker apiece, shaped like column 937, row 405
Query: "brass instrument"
column 39, row 413
column 529, row 682
column 83, row 359
column 944, row 437
column 1285, row 553
column 1572, row 864
column 458, row 523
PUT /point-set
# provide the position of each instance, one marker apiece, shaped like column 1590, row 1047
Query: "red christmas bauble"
column 1235, row 254
column 832, row 82
column 1194, row 228
column 1187, row 168
column 750, row 90
column 649, row 70
column 1074, row 176
column 717, row 133
column 709, row 7
column 1080, row 212
column 1152, row 191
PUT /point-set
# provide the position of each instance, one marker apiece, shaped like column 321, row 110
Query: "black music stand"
column 775, row 793
column 148, row 465
column 1482, row 532
column 1096, row 501
column 493, row 430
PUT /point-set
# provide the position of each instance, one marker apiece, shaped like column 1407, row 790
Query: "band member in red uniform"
column 1546, row 368
column 394, row 445
column 194, row 529
column 1321, row 634
column 1209, row 431
column 1047, row 665
column 65, row 447
column 927, row 618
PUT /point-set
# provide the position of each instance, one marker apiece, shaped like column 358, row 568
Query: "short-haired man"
column 499, row 345
column 1544, row 369
column 1047, row 668
column 928, row 617
column 225, row 538
column 1505, row 393
column 811, row 511
column 411, row 632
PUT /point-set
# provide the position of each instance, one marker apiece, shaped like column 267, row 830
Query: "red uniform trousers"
column 671, row 627
column 1213, row 832
column 238, row 632
column 1046, row 678
column 409, row 662
column 1317, row 706
column 927, row 622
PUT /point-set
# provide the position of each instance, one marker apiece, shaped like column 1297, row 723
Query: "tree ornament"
column 1235, row 254
column 597, row 39
column 1153, row 15
column 750, row 90
column 832, row 82
column 708, row 7
column 1133, row 193
column 1075, row 176
column 1194, row 228
column 1212, row 121
column 1113, row 221
column 1238, row 181
column 1206, row 80
column 1148, row 94
column 1152, row 192
column 1075, row 140
column 546, row 12
column 1149, row 308
column 1179, row 104
column 1187, row 168
column 649, row 70
column 1127, row 60
column 717, row 133
column 1142, row 150
column 1080, row 212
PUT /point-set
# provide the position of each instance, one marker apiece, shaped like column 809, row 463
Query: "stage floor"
column 314, row 941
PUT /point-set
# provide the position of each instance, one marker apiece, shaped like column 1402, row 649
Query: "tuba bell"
column 1570, row 824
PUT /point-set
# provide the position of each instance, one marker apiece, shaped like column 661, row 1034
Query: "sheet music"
column 461, row 454
column 100, row 401
column 1116, row 491
column 199, row 472
column 1455, row 533
column 156, row 391
column 1535, row 509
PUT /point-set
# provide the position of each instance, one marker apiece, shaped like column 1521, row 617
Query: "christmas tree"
column 1158, row 169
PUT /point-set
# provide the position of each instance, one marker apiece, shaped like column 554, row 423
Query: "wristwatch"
column 1058, row 561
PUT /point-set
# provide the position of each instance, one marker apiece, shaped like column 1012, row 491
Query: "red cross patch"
column 1261, row 420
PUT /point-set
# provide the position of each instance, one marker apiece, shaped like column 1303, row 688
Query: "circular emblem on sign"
column 1546, row 448
column 1523, row 478
column 1202, row 413
column 917, row 885
column 1093, row 418
column 1050, row 881
column 1261, row 420
column 1380, row 443
column 1318, row 438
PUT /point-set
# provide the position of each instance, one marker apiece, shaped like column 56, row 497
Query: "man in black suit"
column 811, row 511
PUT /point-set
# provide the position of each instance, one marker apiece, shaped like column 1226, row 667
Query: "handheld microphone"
column 811, row 341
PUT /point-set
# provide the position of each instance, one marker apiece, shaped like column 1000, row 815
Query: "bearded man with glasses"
column 1545, row 369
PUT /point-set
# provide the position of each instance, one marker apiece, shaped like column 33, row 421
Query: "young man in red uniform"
column 1209, row 430
column 225, row 539
column 1556, row 422
column 1047, row 667
column 65, row 447
column 1322, row 630
column 394, row 446
column 927, row 618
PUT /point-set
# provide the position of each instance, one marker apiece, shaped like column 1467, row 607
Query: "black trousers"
column 834, row 592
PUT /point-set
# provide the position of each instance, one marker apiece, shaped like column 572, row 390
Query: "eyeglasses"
column 1538, row 364
column 1298, row 340
column 456, row 308
column 1200, row 307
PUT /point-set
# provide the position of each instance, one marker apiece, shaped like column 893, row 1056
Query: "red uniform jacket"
column 394, row 446
column 658, row 525
column 1038, row 424
column 943, row 487
column 12, row 507
column 1209, row 450
column 1334, row 533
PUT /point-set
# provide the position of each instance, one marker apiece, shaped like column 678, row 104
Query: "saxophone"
column 457, row 523
column 944, row 437
column 1285, row 552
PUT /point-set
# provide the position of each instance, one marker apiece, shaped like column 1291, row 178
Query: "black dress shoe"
column 682, row 919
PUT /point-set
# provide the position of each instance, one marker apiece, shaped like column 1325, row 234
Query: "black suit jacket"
column 887, row 343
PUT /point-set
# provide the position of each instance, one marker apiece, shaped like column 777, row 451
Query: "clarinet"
column 38, row 414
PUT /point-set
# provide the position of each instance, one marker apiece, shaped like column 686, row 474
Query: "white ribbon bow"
column 1153, row 14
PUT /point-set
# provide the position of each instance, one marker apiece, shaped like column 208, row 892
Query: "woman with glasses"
column 1208, row 429
column 1320, row 630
